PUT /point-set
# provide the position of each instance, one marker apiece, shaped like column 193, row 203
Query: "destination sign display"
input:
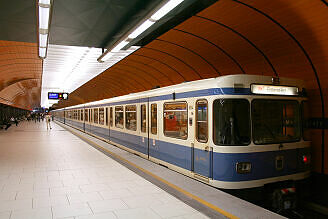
column 273, row 90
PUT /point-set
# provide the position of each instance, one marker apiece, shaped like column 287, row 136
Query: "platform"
column 55, row 174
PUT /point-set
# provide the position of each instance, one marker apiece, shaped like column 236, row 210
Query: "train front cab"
column 260, row 146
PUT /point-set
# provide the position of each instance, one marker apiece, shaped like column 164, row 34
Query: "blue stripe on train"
column 197, row 93
column 224, row 165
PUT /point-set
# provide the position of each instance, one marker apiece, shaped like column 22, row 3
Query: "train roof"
column 228, row 81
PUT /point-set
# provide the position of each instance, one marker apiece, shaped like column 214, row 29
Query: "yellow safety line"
column 200, row 200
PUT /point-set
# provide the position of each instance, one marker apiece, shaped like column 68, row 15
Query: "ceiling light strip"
column 147, row 22
column 44, row 15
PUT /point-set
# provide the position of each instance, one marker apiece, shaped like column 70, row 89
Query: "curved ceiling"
column 20, row 74
column 278, row 38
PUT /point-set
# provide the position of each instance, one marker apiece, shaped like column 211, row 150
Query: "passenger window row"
column 231, row 120
column 175, row 118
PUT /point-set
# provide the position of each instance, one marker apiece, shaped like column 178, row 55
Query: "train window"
column 111, row 116
column 86, row 115
column 305, row 121
column 275, row 121
column 153, row 124
column 101, row 116
column 131, row 117
column 176, row 120
column 201, row 121
column 95, row 116
column 231, row 122
column 119, row 117
column 106, row 116
column 143, row 118
column 81, row 113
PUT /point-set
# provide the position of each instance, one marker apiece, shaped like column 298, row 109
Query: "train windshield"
column 275, row 121
column 231, row 122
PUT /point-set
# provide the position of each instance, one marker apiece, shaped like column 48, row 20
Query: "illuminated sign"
column 57, row 96
column 53, row 96
column 273, row 90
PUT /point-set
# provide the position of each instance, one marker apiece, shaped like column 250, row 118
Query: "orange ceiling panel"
column 21, row 72
column 166, row 71
column 213, row 58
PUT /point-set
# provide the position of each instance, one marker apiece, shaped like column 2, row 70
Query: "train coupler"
column 284, row 199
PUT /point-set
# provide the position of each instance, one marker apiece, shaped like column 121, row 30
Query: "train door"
column 153, row 148
column 88, row 127
column 202, row 153
column 86, row 119
column 83, row 119
column 144, row 133
column 111, row 121
column 107, row 121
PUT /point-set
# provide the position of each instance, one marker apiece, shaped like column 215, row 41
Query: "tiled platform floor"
column 53, row 174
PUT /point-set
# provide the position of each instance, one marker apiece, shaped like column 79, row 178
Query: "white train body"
column 232, row 132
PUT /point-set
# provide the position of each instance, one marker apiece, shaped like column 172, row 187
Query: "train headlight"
column 243, row 167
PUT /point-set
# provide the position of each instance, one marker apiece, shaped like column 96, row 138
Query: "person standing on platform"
column 48, row 120
column 16, row 121
column 12, row 120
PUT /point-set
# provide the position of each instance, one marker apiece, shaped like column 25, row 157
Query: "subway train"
column 231, row 132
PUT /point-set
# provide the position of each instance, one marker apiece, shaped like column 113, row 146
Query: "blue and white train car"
column 231, row 132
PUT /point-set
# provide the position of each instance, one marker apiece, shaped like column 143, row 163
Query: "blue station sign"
column 57, row 96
